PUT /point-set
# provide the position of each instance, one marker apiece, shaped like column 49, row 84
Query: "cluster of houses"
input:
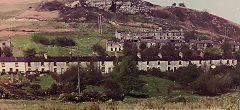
column 159, row 37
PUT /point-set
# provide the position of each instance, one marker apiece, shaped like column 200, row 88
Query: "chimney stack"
column 139, row 55
column 45, row 56
column 116, row 54
column 70, row 55
column 181, row 54
column 202, row 54
column 159, row 55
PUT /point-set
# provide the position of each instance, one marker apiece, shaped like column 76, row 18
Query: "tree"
column 187, row 75
column 30, row 52
column 64, row 41
column 210, row 84
column 125, row 77
column 99, row 49
column 130, row 49
column 7, row 51
column 187, row 52
column 169, row 51
column 227, row 49
column 211, row 52
column 143, row 46
column 150, row 52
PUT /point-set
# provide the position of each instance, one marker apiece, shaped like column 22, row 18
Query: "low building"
column 159, row 34
column 159, row 42
column 112, row 46
column 203, row 44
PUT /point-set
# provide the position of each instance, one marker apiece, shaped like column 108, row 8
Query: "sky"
column 228, row 9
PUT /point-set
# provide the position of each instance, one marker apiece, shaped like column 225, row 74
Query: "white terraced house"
column 162, row 35
column 114, row 46
column 105, row 64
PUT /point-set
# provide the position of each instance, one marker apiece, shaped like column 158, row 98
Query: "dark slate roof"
column 101, row 58
column 154, row 41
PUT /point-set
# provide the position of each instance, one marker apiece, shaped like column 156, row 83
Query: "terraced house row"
column 105, row 64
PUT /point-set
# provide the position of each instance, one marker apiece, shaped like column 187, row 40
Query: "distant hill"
column 166, row 17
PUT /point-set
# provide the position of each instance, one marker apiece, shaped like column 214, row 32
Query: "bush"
column 64, row 41
column 30, row 52
column 83, row 97
column 40, row 39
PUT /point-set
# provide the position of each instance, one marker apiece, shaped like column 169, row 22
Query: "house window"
column 159, row 67
column 115, row 49
column 17, row 70
column 67, row 63
column 147, row 62
column 180, row 62
column 158, row 62
column 16, row 65
column 227, row 61
column 111, row 49
column 169, row 63
column 55, row 70
column 29, row 69
column 147, row 68
column 3, row 64
column 109, row 69
column 169, row 68
column 3, row 70
column 210, row 61
column 190, row 62
column 3, row 44
column 42, row 63
column 232, row 61
column 29, row 64
column 11, row 70
column 200, row 62
column 103, row 69
column 42, row 69
column 103, row 63
column 55, row 63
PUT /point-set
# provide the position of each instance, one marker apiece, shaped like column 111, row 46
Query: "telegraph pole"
column 100, row 23
column 79, row 86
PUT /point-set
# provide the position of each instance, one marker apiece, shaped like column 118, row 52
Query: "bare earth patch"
column 43, row 15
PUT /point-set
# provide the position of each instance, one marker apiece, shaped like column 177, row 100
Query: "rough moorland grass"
column 224, row 102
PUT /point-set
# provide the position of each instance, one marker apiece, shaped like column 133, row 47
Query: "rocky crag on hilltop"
column 124, row 11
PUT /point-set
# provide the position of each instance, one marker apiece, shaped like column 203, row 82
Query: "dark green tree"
column 187, row 52
column 99, row 49
column 227, row 49
column 30, row 52
column 7, row 51
column 169, row 51
column 130, row 49
column 143, row 46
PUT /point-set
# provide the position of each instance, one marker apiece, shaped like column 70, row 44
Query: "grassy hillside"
column 85, row 35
